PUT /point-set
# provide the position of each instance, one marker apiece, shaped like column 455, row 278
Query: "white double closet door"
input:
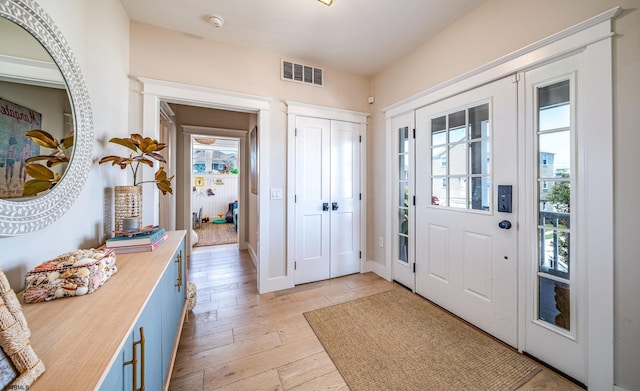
column 327, row 199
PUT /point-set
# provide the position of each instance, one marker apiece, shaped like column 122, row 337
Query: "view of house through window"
column 554, row 196
column 461, row 159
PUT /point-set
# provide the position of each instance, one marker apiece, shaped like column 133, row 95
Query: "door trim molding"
column 295, row 109
column 152, row 91
column 592, row 37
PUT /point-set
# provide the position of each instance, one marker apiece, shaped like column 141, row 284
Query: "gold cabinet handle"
column 142, row 340
column 179, row 262
column 134, row 362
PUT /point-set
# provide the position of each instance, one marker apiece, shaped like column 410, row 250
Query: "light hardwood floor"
column 236, row 339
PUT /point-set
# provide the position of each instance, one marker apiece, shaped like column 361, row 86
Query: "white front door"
column 555, row 292
column 466, row 232
column 402, row 248
column 327, row 199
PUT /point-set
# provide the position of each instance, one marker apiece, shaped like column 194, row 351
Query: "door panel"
column 345, row 198
column 312, row 249
column 438, row 257
column 465, row 145
column 477, row 265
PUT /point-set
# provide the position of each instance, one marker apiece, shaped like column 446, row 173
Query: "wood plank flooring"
column 236, row 339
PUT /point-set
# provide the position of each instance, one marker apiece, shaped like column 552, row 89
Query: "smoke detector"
column 216, row 21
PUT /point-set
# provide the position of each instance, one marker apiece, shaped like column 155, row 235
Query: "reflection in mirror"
column 33, row 96
column 36, row 81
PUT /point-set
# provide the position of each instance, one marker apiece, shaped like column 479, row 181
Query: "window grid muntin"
column 403, row 157
column 447, row 145
column 560, row 279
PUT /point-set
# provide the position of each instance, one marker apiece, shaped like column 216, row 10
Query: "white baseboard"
column 377, row 268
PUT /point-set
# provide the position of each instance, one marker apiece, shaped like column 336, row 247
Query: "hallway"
column 235, row 339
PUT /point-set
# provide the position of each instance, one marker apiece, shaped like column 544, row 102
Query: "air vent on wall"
column 301, row 73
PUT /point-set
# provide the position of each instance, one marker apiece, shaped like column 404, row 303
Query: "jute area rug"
column 213, row 234
column 396, row 340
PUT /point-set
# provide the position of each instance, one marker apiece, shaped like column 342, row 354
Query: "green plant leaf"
column 35, row 186
column 157, row 156
column 136, row 138
column 57, row 160
column 115, row 160
column 164, row 186
column 143, row 160
column 42, row 138
column 37, row 158
column 67, row 141
column 160, row 174
column 148, row 145
column 125, row 142
column 38, row 171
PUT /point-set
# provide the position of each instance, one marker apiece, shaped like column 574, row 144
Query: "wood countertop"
column 78, row 338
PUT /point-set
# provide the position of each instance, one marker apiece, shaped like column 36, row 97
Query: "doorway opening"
column 216, row 176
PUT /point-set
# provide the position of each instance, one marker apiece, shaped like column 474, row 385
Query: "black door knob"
column 325, row 206
column 334, row 206
column 504, row 224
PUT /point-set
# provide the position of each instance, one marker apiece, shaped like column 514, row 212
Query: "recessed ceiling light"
column 326, row 2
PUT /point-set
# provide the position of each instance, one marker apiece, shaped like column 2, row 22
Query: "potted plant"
column 143, row 150
column 43, row 177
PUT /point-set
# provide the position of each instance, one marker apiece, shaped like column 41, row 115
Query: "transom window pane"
column 457, row 126
column 479, row 122
column 403, row 134
column 554, row 106
column 461, row 159
column 438, row 134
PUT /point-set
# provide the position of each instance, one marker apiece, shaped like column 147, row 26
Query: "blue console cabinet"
column 145, row 360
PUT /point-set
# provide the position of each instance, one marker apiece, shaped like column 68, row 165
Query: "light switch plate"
column 276, row 194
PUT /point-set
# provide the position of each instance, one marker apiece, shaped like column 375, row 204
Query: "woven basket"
column 14, row 339
column 127, row 203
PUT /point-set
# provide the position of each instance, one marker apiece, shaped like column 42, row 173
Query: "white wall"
column 101, row 46
column 497, row 28
column 162, row 54
column 224, row 189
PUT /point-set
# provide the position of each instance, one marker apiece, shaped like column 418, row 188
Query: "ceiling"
column 358, row 36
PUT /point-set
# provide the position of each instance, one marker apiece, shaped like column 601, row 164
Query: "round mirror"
column 46, row 130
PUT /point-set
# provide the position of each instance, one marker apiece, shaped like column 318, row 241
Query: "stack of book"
column 147, row 239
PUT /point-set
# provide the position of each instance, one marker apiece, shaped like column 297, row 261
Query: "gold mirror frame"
column 24, row 216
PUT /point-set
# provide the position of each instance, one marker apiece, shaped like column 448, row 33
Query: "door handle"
column 505, row 224
column 325, row 206
column 334, row 206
